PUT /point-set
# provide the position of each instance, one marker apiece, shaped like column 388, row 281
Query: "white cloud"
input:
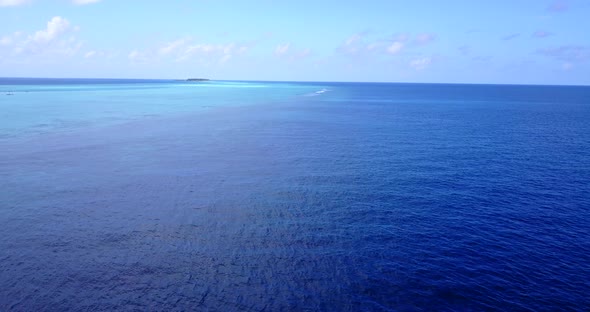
column 568, row 53
column 56, row 39
column 353, row 39
column 100, row 54
column 5, row 3
column 136, row 56
column 6, row 40
column 242, row 49
column 567, row 66
column 209, row 49
column 282, row 49
column 400, row 37
column 558, row 6
column 511, row 36
column 361, row 45
column 83, row 2
column 353, row 45
column 224, row 59
column 185, row 49
column 55, row 27
column 228, row 48
column 541, row 34
column 420, row 63
column 304, row 53
column 425, row 38
column 173, row 46
column 395, row 47
column 291, row 53
column 374, row 46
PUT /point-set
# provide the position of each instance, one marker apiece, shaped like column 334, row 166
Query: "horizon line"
column 307, row 81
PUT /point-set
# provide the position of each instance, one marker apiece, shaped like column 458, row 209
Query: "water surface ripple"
column 363, row 197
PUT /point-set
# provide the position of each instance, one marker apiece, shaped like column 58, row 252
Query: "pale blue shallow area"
column 140, row 195
column 42, row 105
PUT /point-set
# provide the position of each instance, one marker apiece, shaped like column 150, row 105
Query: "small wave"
column 320, row 92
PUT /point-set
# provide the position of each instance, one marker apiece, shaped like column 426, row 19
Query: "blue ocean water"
column 254, row 196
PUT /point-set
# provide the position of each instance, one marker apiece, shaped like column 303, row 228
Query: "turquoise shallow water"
column 233, row 196
column 38, row 106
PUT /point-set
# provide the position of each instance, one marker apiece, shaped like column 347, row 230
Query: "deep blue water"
column 236, row 196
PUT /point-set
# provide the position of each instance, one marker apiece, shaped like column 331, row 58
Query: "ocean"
column 160, row 195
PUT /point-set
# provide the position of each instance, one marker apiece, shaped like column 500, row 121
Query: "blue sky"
column 466, row 41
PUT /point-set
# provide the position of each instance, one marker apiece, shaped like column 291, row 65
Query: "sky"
column 452, row 41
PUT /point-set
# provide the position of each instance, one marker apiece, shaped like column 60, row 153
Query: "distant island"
column 197, row 79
